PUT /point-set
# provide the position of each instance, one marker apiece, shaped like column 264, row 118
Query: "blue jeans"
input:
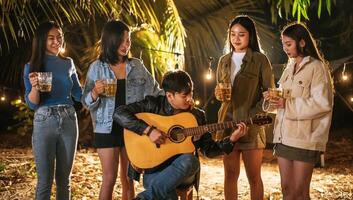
column 162, row 185
column 54, row 141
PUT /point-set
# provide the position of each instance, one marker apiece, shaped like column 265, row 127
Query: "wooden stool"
column 185, row 193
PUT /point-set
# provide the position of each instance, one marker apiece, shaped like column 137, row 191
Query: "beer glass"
column 110, row 86
column 273, row 93
column 44, row 81
column 226, row 91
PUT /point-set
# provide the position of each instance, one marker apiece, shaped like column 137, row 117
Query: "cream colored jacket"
column 305, row 122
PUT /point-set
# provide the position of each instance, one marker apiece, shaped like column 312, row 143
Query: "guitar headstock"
column 261, row 119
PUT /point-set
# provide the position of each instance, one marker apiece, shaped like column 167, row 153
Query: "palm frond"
column 25, row 15
column 297, row 8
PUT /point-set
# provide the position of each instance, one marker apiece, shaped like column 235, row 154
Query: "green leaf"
column 295, row 7
column 328, row 6
column 299, row 14
column 287, row 4
column 319, row 9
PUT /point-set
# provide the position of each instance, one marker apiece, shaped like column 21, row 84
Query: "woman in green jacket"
column 249, row 72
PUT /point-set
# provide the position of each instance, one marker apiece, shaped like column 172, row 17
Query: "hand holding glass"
column 225, row 91
column 271, row 94
column 110, row 86
column 44, row 81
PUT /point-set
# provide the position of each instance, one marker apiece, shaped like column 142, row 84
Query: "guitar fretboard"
column 213, row 127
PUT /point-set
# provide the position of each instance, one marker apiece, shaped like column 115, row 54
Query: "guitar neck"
column 213, row 127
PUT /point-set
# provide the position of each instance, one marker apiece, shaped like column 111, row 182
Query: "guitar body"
column 144, row 154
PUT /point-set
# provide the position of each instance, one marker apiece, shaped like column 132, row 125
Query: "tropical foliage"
column 158, row 20
column 157, row 31
column 166, row 33
column 297, row 8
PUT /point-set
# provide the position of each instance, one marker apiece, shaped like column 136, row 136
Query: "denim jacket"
column 139, row 83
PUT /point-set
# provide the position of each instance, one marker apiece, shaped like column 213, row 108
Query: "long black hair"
column 39, row 45
column 298, row 32
column 111, row 39
column 246, row 22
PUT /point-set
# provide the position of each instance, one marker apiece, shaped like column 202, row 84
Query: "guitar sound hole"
column 176, row 134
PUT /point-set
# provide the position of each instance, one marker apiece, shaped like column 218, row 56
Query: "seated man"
column 161, row 181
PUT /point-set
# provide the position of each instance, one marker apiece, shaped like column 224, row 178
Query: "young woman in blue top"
column 134, row 82
column 55, row 129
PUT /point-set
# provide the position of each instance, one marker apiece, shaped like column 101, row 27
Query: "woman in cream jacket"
column 304, row 114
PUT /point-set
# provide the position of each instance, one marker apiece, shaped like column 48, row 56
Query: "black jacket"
column 125, row 116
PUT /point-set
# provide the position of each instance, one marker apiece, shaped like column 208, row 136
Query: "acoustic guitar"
column 179, row 129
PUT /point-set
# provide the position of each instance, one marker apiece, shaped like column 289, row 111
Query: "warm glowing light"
column 351, row 99
column 18, row 101
column 3, row 98
column 344, row 77
column 197, row 102
column 62, row 50
column 208, row 76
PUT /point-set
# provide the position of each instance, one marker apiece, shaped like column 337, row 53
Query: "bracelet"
column 150, row 130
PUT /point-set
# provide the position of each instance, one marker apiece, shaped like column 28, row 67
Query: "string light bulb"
column 3, row 97
column 197, row 102
column 209, row 74
column 344, row 74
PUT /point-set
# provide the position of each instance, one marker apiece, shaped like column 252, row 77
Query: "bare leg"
column 303, row 172
column 252, row 162
column 109, row 158
column 128, row 189
column 231, row 164
column 286, row 168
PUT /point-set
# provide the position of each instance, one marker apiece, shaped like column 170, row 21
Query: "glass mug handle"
column 266, row 105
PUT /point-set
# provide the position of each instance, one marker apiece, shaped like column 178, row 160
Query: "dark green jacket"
column 254, row 77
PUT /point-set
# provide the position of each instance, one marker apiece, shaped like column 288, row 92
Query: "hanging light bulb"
column 3, row 97
column 344, row 74
column 197, row 102
column 209, row 74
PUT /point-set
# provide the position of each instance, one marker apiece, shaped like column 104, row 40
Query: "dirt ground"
column 334, row 181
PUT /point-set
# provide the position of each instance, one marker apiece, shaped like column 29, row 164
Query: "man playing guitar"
column 160, row 182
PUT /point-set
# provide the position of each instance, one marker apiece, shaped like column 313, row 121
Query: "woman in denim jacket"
column 55, row 129
column 134, row 82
